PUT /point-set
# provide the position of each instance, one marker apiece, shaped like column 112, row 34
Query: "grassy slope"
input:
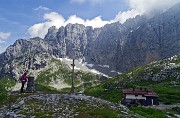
column 148, row 112
column 57, row 70
column 167, row 91
column 5, row 84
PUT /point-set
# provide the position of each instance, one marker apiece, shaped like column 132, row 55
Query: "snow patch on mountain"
column 84, row 66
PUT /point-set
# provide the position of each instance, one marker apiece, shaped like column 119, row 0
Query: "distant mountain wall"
column 121, row 46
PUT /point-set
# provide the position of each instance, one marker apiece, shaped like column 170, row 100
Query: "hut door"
column 152, row 101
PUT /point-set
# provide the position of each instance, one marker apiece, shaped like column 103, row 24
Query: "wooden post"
column 72, row 82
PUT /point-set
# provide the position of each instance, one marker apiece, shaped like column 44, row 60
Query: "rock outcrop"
column 23, row 55
column 61, row 105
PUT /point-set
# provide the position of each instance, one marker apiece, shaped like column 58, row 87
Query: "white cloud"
column 146, row 6
column 136, row 7
column 95, row 22
column 40, row 29
column 123, row 16
column 139, row 7
column 4, row 36
column 42, row 8
column 55, row 19
column 2, row 48
column 74, row 19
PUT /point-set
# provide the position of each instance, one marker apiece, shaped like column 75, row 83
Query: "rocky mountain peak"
column 51, row 35
column 52, row 29
column 118, row 46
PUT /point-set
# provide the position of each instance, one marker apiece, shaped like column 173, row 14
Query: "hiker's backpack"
column 23, row 79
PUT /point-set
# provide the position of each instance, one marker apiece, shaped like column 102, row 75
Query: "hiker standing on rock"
column 23, row 81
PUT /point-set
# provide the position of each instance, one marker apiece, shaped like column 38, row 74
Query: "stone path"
column 164, row 107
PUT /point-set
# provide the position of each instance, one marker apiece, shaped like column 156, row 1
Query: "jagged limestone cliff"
column 118, row 46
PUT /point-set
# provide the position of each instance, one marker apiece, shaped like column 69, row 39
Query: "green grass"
column 113, row 95
column 111, row 89
column 168, row 89
column 61, row 70
column 168, row 93
column 3, row 97
column 43, row 115
column 36, row 105
column 103, row 112
column 148, row 112
column 6, row 83
column 8, row 99
column 65, row 90
column 82, row 109
column 86, row 76
column 63, row 73
column 46, row 89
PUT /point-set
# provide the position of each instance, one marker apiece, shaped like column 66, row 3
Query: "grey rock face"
column 123, row 46
column 72, row 40
column 68, row 41
column 109, row 41
column 51, row 38
column 158, row 38
column 120, row 46
column 23, row 55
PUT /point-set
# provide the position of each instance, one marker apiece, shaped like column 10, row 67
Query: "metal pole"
column 72, row 87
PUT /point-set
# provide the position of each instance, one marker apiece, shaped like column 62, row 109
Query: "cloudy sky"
column 31, row 18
